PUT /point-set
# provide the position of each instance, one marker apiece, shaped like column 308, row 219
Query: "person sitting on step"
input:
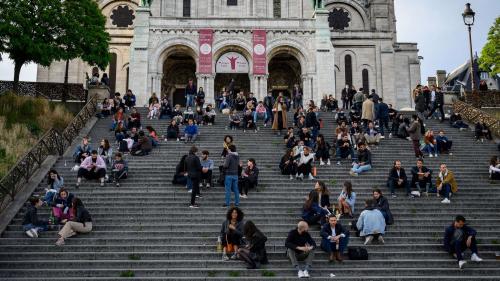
column 430, row 144
column 81, row 223
column 231, row 233
column 190, row 132
column 304, row 164
column 446, row 183
column 421, row 178
column 119, row 169
column 154, row 107
column 344, row 149
column 481, row 132
column 134, row 120
column 398, row 178
column 153, row 136
column 340, row 116
column 300, row 246
column 341, row 130
column 120, row 132
column 119, row 117
column 165, row 109
column 172, row 131
column 372, row 135
column 249, row 178
column 347, row 200
column 82, row 151
column 457, row 238
column 306, row 137
column 457, row 122
column 188, row 114
column 443, row 143
column 106, row 152
column 93, row 167
column 382, row 205
column 312, row 212
column 287, row 165
column 254, row 253
column 177, row 114
column 248, row 123
column 198, row 116
column 206, row 170
column 32, row 225
column 494, row 168
column 334, row 239
column 371, row 223
column 355, row 133
column 143, row 147
column 322, row 150
column 260, row 113
column 62, row 206
column 209, row 115
column 363, row 162
column 234, row 120
column 54, row 183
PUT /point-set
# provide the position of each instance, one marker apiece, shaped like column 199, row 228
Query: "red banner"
column 205, row 42
column 259, row 52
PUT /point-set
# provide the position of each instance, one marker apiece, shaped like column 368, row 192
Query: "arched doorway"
column 232, row 69
column 178, row 68
column 284, row 72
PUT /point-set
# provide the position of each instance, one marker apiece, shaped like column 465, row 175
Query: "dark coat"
column 393, row 175
column 193, row 166
column 383, row 205
column 420, row 104
column 82, row 215
column 232, row 164
column 326, row 231
column 294, row 240
column 383, row 111
column 414, row 131
column 257, row 245
column 448, row 236
column 31, row 216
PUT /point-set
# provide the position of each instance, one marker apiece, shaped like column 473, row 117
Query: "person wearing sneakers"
column 430, row 144
column 93, row 167
column 193, row 168
column 398, row 178
column 446, row 183
column 322, row 150
column 231, row 167
column 300, row 247
column 249, row 178
column 457, row 238
column 371, row 223
column 31, row 223
column 287, row 165
column 206, row 170
column 334, row 239
column 344, row 149
column 304, row 164
column 81, row 223
column 364, row 161
column 119, row 169
column 231, row 233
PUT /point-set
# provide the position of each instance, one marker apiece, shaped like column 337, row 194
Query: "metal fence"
column 48, row 90
column 52, row 142
column 473, row 115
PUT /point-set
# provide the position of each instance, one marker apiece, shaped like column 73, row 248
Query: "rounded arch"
column 170, row 47
column 351, row 6
column 229, row 45
column 288, row 47
column 105, row 3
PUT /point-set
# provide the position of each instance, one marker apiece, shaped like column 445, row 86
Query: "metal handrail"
column 473, row 115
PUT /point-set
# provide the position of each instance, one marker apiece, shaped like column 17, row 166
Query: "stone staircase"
column 144, row 230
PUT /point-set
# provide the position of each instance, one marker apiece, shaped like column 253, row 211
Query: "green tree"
column 84, row 34
column 490, row 56
column 29, row 30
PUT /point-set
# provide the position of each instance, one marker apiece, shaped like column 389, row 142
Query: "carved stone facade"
column 348, row 41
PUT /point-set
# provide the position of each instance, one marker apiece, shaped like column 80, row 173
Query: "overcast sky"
column 436, row 25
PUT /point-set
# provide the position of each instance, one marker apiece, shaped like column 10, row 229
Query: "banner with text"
column 259, row 52
column 205, row 42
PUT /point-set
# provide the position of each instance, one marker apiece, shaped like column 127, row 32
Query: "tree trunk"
column 17, row 70
column 66, row 85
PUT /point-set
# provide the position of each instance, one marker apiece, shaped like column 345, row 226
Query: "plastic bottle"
column 219, row 245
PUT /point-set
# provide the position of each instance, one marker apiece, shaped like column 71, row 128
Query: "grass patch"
column 277, row 142
column 234, row 274
column 128, row 273
column 134, row 257
column 267, row 273
column 494, row 242
column 413, row 211
column 332, row 182
column 212, row 273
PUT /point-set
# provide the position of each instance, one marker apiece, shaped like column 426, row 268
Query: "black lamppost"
column 468, row 16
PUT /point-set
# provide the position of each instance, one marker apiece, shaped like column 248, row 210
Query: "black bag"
column 357, row 253
column 222, row 176
column 123, row 146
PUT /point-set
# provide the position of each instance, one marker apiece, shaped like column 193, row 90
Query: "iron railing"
column 49, row 90
column 473, row 115
column 52, row 142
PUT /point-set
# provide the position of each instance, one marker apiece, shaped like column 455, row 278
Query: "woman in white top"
column 347, row 199
column 494, row 168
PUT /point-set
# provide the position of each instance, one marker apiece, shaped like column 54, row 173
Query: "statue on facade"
column 318, row 4
column 146, row 3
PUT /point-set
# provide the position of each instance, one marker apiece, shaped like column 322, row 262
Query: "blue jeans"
column 431, row 149
column 189, row 184
column 383, row 122
column 358, row 169
column 231, row 185
column 189, row 100
column 329, row 246
column 257, row 115
column 445, row 190
column 339, row 155
column 39, row 227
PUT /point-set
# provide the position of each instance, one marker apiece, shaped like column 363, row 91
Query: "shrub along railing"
column 490, row 98
column 51, row 143
column 474, row 115
column 48, row 90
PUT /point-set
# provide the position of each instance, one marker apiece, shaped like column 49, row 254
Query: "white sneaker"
column 190, row 190
column 243, row 196
column 381, row 239
column 446, row 201
column 311, row 177
column 291, row 177
column 301, row 176
column 328, row 162
column 436, row 155
column 390, row 135
column 475, row 258
column 30, row 233
column 300, row 274
column 461, row 264
column 321, row 163
column 382, row 137
column 430, row 156
column 338, row 163
column 306, row 274
column 35, row 232
column 368, row 239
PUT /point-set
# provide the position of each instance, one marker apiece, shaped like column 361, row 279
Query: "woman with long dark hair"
column 288, row 165
column 54, row 183
column 312, row 212
column 279, row 111
column 231, row 233
column 347, row 199
column 254, row 253
column 322, row 150
column 323, row 194
column 81, row 223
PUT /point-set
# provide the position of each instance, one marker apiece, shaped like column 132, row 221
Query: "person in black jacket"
column 383, row 205
column 81, row 223
column 62, row 205
column 300, row 247
column 398, row 178
column 458, row 237
column 421, row 177
column 249, row 178
column 254, row 253
column 193, row 169
column 437, row 101
column 312, row 121
column 334, row 239
column 288, row 165
column 31, row 224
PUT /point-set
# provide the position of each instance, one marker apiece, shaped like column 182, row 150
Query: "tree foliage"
column 490, row 56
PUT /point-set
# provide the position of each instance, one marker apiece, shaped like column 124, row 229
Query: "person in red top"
column 430, row 144
column 153, row 135
column 134, row 119
column 119, row 117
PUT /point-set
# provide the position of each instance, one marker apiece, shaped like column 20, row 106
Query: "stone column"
column 139, row 57
column 324, row 79
column 157, row 83
column 210, row 90
column 306, row 88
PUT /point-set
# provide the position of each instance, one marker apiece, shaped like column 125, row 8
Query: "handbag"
column 357, row 253
column 229, row 246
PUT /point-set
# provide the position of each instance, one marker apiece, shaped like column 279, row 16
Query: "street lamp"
column 469, row 16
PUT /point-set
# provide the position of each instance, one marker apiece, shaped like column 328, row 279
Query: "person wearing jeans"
column 364, row 160
column 458, row 237
column 421, row 177
column 82, row 223
column 446, row 183
column 31, row 224
column 300, row 247
column 231, row 166
column 398, row 178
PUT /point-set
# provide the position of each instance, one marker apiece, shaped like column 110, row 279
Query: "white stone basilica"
column 264, row 45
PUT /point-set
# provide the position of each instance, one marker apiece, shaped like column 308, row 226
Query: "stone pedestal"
column 102, row 92
column 207, row 82
column 258, row 85
column 324, row 80
column 139, row 62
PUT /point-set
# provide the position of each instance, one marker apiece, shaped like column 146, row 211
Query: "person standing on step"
column 231, row 167
column 421, row 177
column 297, row 96
column 494, row 169
column 415, row 134
column 437, row 102
column 367, row 112
column 398, row 178
column 279, row 112
column 363, row 163
column 81, row 223
column 249, row 178
column 190, row 93
column 254, row 253
column 420, row 105
column 193, row 168
column 300, row 247
column 304, row 164
column 371, row 223
column 269, row 103
column 359, row 97
column 459, row 237
column 446, row 183
column 383, row 117
column 31, row 223
column 345, row 96
column 231, row 233
column 93, row 167
column 382, row 205
column 334, row 239
column 206, row 170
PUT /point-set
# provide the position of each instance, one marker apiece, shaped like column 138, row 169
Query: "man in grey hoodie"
column 231, row 167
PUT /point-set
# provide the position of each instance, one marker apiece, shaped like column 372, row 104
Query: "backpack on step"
column 123, row 146
column 357, row 253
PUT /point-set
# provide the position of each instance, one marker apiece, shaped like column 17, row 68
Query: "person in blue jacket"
column 190, row 132
column 458, row 237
